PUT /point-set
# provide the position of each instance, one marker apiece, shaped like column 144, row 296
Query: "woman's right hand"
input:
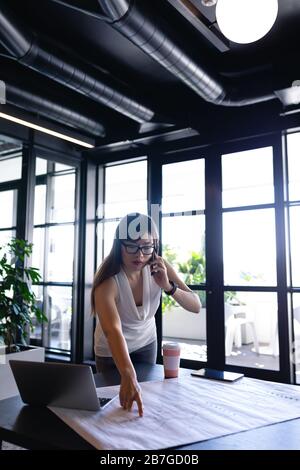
column 130, row 391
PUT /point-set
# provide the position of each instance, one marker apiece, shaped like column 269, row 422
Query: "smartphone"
column 217, row 375
column 151, row 261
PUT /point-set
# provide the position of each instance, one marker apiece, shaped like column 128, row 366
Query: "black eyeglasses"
column 133, row 249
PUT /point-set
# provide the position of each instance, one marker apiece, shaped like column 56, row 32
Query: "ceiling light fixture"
column 8, row 117
column 246, row 21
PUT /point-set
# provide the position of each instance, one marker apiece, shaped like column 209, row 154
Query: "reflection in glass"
column 183, row 186
column 249, row 247
column 58, row 327
column 295, row 245
column 247, row 177
column 186, row 328
column 125, row 189
column 251, row 329
column 293, row 146
column 60, row 256
column 8, row 204
column 183, row 246
column 40, row 204
column 10, row 169
column 63, row 203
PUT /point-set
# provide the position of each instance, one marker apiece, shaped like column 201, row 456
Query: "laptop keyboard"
column 103, row 401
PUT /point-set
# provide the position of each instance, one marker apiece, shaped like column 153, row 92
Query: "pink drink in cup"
column 171, row 359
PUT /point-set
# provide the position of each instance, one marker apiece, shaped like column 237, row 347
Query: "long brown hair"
column 127, row 229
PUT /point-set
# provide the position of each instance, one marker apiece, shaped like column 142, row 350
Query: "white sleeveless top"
column 138, row 323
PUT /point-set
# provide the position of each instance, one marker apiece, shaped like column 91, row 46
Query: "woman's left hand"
column 159, row 273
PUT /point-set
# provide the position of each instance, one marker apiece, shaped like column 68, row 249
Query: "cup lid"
column 171, row 346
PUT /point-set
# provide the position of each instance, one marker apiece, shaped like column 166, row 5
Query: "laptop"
column 57, row 384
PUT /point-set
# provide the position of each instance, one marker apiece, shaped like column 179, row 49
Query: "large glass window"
column 293, row 224
column 125, row 189
column 249, row 247
column 10, row 170
column 183, row 241
column 8, row 202
column 247, row 178
column 294, row 244
column 293, row 150
column 122, row 190
column 8, row 215
column 295, row 349
column 249, row 257
column 53, row 252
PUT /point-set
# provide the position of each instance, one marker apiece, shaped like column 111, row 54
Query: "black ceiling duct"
column 40, row 105
column 136, row 20
column 24, row 47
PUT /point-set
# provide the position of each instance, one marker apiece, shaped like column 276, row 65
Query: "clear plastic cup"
column 171, row 359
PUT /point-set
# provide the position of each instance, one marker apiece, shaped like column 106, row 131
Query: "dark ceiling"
column 52, row 54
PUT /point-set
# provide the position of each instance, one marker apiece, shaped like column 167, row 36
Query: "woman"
column 125, row 296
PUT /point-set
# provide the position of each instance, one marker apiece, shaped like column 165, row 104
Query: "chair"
column 235, row 317
column 273, row 348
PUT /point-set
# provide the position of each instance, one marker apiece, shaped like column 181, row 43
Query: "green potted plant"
column 18, row 309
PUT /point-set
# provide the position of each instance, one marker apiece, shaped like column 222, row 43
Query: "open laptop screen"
column 57, row 384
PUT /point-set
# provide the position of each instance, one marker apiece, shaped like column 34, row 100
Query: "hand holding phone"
column 152, row 262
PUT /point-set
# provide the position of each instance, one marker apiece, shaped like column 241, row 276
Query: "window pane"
column 183, row 186
column 37, row 332
column 247, row 177
column 38, row 250
column 63, row 205
column 296, row 326
column 58, row 328
column 63, row 208
column 99, row 242
column 61, row 253
column 5, row 237
column 10, row 169
column 186, row 328
column 62, row 167
column 7, row 149
column 126, row 189
column 106, row 230
column 183, row 245
column 251, row 329
column 40, row 204
column 8, row 203
column 295, row 245
column 249, row 248
column 293, row 146
column 40, row 166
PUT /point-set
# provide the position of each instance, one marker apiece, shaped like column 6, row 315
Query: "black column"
column 25, row 206
column 214, row 261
